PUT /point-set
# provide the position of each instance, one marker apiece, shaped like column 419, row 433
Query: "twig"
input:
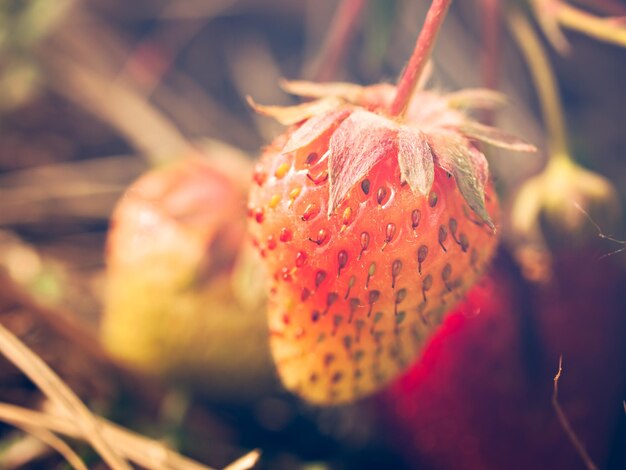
column 139, row 449
column 57, row 320
column 565, row 424
column 72, row 422
column 59, row 393
column 601, row 234
column 245, row 462
column 56, row 443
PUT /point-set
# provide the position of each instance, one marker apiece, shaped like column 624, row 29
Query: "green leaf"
column 415, row 160
column 470, row 169
column 496, row 137
column 288, row 115
column 314, row 127
column 348, row 91
column 476, row 98
column 362, row 140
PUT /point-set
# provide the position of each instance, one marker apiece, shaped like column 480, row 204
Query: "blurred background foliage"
column 94, row 94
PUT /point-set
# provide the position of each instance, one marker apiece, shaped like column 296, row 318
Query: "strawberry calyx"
column 435, row 131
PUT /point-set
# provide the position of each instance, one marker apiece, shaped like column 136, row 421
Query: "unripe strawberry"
column 371, row 228
column 172, row 308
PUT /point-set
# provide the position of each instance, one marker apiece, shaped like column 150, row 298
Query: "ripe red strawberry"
column 452, row 408
column 371, row 228
column 480, row 395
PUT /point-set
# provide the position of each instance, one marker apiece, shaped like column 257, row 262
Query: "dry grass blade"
column 565, row 424
column 549, row 24
column 19, row 448
column 68, row 415
column 80, row 188
column 245, row 462
column 601, row 234
column 53, row 387
column 147, row 452
column 58, row 444
column 112, row 169
column 145, row 127
column 610, row 30
column 141, row 450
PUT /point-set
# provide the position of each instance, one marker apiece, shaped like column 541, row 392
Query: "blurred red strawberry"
column 480, row 397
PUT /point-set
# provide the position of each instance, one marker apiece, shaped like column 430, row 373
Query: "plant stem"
column 545, row 82
column 566, row 425
column 333, row 51
column 423, row 48
column 603, row 29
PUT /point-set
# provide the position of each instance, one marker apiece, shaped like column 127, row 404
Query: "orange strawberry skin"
column 353, row 295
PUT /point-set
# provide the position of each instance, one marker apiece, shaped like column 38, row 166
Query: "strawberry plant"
column 551, row 209
column 374, row 214
column 378, row 214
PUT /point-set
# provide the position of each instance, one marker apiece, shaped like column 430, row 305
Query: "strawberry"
column 480, row 397
column 453, row 407
column 172, row 306
column 371, row 228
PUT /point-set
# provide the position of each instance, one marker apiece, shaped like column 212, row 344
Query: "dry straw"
column 68, row 415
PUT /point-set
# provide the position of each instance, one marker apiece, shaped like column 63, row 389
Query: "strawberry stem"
column 423, row 48
column 341, row 30
column 545, row 82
